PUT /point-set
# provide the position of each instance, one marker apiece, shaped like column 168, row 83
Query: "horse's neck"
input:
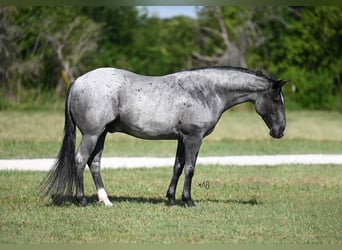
column 238, row 97
column 235, row 80
column 235, row 87
column 232, row 87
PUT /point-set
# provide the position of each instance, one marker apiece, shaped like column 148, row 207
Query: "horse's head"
column 270, row 106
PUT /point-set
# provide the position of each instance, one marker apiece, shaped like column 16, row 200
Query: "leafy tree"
column 43, row 47
column 300, row 44
column 53, row 43
column 309, row 53
column 218, row 44
column 14, row 69
column 163, row 46
column 230, row 34
column 71, row 44
column 119, row 25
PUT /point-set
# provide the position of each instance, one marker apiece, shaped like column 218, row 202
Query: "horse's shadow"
column 68, row 200
column 93, row 200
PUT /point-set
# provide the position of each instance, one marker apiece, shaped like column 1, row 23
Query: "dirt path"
column 148, row 162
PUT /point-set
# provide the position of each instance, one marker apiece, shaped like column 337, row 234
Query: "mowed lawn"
column 283, row 204
column 33, row 134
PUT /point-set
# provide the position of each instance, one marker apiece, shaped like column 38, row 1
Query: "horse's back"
column 103, row 96
column 103, row 76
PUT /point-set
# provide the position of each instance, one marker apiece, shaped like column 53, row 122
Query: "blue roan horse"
column 183, row 106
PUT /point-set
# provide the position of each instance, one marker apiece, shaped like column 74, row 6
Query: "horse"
column 183, row 106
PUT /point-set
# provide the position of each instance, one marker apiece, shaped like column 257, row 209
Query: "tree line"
column 43, row 49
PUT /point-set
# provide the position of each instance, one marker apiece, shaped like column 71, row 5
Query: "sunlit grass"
column 39, row 134
column 286, row 204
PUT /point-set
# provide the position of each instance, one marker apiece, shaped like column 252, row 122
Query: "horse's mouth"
column 277, row 133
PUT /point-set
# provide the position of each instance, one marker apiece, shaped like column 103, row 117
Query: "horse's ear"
column 279, row 83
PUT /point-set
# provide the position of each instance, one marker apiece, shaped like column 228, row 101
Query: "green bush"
column 311, row 90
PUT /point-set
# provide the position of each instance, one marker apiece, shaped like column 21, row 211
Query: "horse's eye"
column 279, row 99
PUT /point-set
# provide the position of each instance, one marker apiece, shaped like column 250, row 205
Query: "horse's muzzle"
column 277, row 132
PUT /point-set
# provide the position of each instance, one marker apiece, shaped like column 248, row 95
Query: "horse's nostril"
column 277, row 132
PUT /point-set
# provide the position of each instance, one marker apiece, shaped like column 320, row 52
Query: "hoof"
column 82, row 202
column 103, row 197
column 190, row 203
column 171, row 203
column 107, row 203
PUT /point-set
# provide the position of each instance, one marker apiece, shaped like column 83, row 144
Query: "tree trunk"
column 231, row 55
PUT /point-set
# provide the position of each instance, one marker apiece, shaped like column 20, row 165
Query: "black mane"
column 241, row 69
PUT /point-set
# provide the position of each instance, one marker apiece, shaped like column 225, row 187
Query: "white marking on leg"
column 101, row 193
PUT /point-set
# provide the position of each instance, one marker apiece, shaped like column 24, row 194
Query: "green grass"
column 39, row 134
column 286, row 204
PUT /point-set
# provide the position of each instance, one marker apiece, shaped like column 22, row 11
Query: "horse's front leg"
column 192, row 145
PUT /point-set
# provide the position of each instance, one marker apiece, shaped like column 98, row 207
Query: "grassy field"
column 284, row 204
column 39, row 134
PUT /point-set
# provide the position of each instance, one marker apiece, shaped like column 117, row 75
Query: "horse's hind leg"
column 177, row 171
column 94, row 164
column 84, row 151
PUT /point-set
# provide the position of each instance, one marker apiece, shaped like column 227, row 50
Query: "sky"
column 171, row 11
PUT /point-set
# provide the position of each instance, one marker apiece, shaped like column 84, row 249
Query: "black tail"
column 60, row 181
